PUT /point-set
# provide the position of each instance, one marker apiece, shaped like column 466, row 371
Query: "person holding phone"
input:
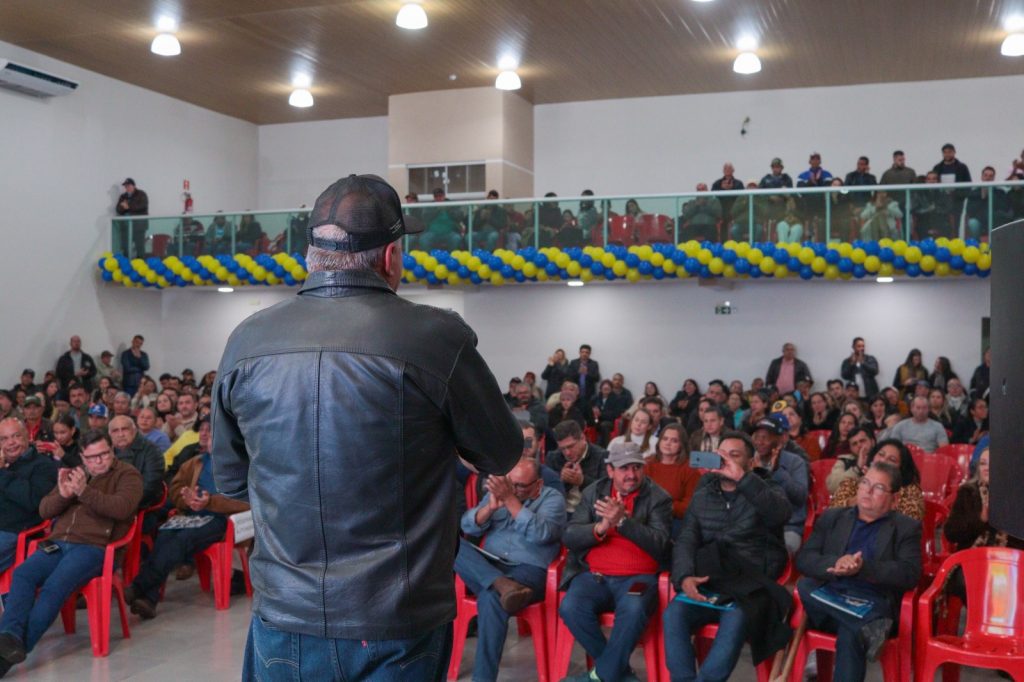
column 618, row 539
column 731, row 544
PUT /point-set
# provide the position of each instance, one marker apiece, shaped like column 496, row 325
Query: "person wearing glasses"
column 521, row 521
column 909, row 502
column 868, row 552
column 91, row 506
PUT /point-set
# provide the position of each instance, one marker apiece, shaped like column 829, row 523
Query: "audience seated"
column 39, row 429
column 799, row 435
column 967, row 525
column 730, row 544
column 974, row 426
column 709, row 436
column 909, row 502
column 787, row 469
column 528, row 408
column 521, row 521
column 90, row 507
column 26, row 476
column 577, row 462
column 133, row 449
column 618, row 539
column 821, row 413
column 639, row 432
column 201, row 520
column 838, row 441
column 854, row 463
column 669, row 467
column 568, row 408
column 920, row 429
column 867, row 551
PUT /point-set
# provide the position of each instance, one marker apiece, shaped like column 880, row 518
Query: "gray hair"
column 122, row 394
column 318, row 259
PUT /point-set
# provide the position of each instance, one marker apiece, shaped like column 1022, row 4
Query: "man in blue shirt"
column 522, row 522
column 868, row 552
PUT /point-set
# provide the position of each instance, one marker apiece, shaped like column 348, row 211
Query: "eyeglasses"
column 98, row 456
column 873, row 488
column 525, row 486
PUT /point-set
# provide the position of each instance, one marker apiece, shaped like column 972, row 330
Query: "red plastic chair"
column 933, row 548
column 994, row 635
column 819, row 472
column 915, row 449
column 653, row 228
column 822, row 435
column 21, row 552
column 97, row 593
column 471, row 497
column 937, row 472
column 960, row 453
column 160, row 242
column 896, row 653
column 133, row 554
column 214, row 563
column 621, row 230
column 590, row 433
column 536, row 619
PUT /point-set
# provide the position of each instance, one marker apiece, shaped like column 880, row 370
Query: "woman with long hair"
column 685, row 400
column 839, row 440
column 650, row 391
column 639, row 431
column 910, row 500
column 555, row 372
column 942, row 372
column 64, row 447
column 798, row 433
column 821, row 415
column 670, row 468
column 938, row 410
column 910, row 372
column 967, row 525
column 878, row 410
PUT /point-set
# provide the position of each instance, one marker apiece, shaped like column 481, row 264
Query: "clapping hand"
column 848, row 564
column 611, row 512
column 499, row 488
column 572, row 474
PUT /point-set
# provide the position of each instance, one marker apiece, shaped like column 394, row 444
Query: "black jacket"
column 66, row 370
column 555, row 375
column 649, row 527
column 593, row 464
column 800, row 372
column 23, row 485
column 867, row 369
column 751, row 525
column 337, row 415
column 138, row 203
column 149, row 461
column 896, row 566
column 593, row 377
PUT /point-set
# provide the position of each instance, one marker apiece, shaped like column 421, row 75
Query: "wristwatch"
column 621, row 521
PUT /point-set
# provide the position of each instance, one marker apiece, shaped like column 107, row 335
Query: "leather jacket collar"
column 336, row 283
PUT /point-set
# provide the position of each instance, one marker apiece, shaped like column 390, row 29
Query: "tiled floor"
column 190, row 640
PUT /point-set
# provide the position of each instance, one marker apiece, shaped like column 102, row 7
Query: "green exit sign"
column 724, row 309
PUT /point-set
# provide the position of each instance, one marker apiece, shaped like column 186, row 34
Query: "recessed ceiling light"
column 703, row 0
column 301, row 98
column 575, row 282
column 412, row 16
column 746, row 63
column 225, row 290
column 885, row 280
column 508, row 80
column 746, row 43
column 165, row 45
column 508, row 63
column 1013, row 45
column 453, row 77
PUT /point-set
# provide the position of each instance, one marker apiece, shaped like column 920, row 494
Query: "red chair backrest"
column 936, row 472
column 935, row 514
column 994, row 581
column 915, row 449
column 653, row 228
column 955, row 450
column 822, row 435
column 819, row 471
column 471, row 498
column 620, row 229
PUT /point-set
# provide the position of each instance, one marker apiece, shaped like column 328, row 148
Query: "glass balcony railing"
column 758, row 216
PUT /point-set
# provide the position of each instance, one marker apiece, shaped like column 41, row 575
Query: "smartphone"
column 705, row 460
column 49, row 546
column 716, row 599
column 638, row 588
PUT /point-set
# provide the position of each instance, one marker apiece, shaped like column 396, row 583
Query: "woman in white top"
column 640, row 430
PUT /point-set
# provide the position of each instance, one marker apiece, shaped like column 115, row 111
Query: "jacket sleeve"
column 773, row 372
column 487, row 435
column 153, row 476
column 182, row 479
column 767, row 498
column 870, row 365
column 812, row 560
column 229, row 457
column 27, row 492
column 654, row 536
column 579, row 534
column 546, row 524
column 684, row 548
column 53, row 504
column 964, row 524
column 119, row 505
column 902, row 571
column 846, row 370
column 794, row 482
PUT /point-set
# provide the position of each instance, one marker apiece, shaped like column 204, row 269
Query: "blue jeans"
column 851, row 654
column 8, row 545
column 681, row 621
column 492, row 621
column 272, row 655
column 28, row 615
column 591, row 595
column 173, row 547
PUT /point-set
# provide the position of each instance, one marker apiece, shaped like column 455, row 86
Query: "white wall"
column 61, row 162
column 297, row 161
column 669, row 144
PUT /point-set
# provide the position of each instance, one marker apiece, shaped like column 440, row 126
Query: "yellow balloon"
column 118, row 276
column 150, row 276
column 518, row 262
column 573, row 269
column 985, row 261
column 586, row 276
column 956, row 247
column 755, row 256
column 872, row 263
column 430, row 263
column 818, row 265
column 704, row 256
column 453, row 279
column 669, row 267
column 716, row 266
column 530, row 270
column 221, row 273
column 185, row 273
column 301, row 276
column 645, row 252
column 971, row 254
column 484, row 271
column 633, row 275
column 657, row 260
column 497, row 280
column 691, row 248
column 984, row 247
column 886, row 270
column 441, row 272
column 942, row 241
column 742, row 249
column 942, row 269
column 542, row 275
column 233, row 279
column 110, row 265
column 912, row 254
column 729, row 272
column 619, row 268
column 562, row 260
column 858, row 255
column 608, row 260
column 831, row 272
column 899, row 247
column 767, row 265
column 781, row 271
column 928, row 264
column 806, row 255
column 272, row 279
column 885, row 242
column 506, row 256
column 845, row 249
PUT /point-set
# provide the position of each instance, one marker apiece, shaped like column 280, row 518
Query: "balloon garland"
column 835, row 261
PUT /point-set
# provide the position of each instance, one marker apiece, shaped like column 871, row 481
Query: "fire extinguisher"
column 187, row 195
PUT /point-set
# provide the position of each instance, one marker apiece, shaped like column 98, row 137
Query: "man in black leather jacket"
column 338, row 415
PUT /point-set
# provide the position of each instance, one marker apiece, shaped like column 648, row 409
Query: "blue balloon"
column 632, row 260
column 679, row 257
column 135, row 277
column 984, row 273
column 728, row 256
column 432, row 278
column 859, row 271
column 716, row 250
column 886, row 255
column 495, row 263
column 645, row 268
column 972, row 242
column 462, row 271
column 872, row 248
column 970, row 269
column 820, row 249
column 419, row 271
column 586, row 261
column 289, row 280
column 451, row 264
column 832, row 257
column 913, row 269
column 793, row 264
column 519, row 276
column 507, row 271
column 475, row 278
column 755, row 273
column 609, row 275
column 845, row 265
column 100, row 263
column 107, row 276
column 540, row 260
column 692, row 265
column 928, row 247
column 704, row 272
column 551, row 269
column 563, row 273
column 806, row 272
column 742, row 266
column 597, row 269
column 781, row 255
column 942, row 254
column 899, row 262
column 957, row 262
column 659, row 273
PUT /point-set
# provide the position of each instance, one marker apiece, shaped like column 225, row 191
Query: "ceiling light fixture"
column 301, row 98
column 225, row 290
column 412, row 17
column 1013, row 45
column 746, row 63
column 885, row 280
column 165, row 45
column 576, row 282
column 508, row 80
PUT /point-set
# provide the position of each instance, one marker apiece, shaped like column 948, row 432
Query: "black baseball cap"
column 367, row 208
column 128, row 181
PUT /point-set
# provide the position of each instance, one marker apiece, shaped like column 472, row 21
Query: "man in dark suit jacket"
column 796, row 370
column 869, row 552
column 584, row 372
column 861, row 368
column 66, row 371
column 576, row 461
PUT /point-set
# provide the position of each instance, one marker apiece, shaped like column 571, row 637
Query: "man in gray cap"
column 338, row 415
column 618, row 539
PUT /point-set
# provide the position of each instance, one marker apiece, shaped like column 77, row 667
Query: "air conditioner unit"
column 29, row 81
